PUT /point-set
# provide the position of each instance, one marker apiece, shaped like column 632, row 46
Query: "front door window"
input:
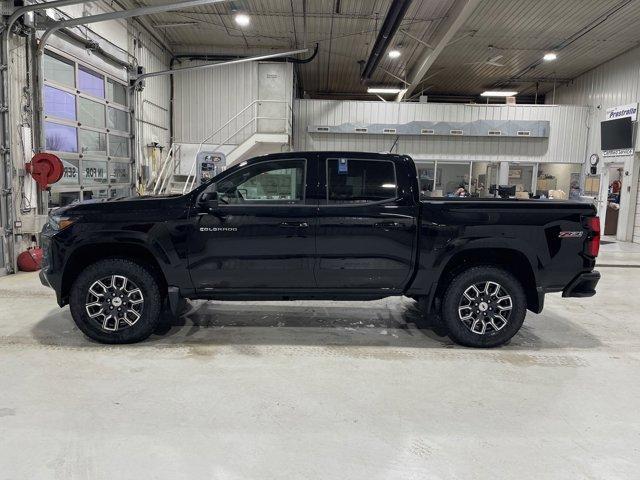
column 269, row 183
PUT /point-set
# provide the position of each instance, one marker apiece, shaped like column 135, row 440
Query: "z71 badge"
column 570, row 234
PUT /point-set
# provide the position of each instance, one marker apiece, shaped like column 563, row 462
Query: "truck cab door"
column 366, row 224
column 261, row 234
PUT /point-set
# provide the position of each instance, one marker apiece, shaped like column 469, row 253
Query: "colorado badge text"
column 218, row 229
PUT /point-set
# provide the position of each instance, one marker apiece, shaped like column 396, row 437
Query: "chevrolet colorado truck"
column 318, row 225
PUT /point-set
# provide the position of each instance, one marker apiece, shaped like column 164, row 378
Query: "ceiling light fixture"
column 549, row 57
column 394, row 53
column 242, row 19
column 384, row 90
column 496, row 93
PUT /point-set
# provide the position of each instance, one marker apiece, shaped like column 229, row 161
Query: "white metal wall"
column 205, row 100
column 566, row 142
column 154, row 112
column 616, row 82
column 114, row 30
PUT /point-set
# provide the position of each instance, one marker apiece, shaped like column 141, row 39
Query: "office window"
column 118, row 119
column 452, row 179
column 59, row 198
column 90, row 113
column 119, row 172
column 70, row 174
column 90, row 82
column 360, row 181
column 116, row 92
column 559, row 176
column 93, row 143
column 58, row 103
column 426, row 178
column 521, row 176
column 118, row 146
column 94, row 172
column 60, row 138
column 59, row 70
column 484, row 175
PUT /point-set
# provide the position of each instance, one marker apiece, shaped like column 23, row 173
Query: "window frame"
column 77, row 158
column 326, row 203
column 300, row 203
column 437, row 164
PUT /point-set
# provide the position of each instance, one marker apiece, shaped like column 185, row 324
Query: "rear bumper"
column 584, row 285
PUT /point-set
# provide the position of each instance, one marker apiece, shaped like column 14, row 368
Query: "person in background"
column 574, row 191
column 461, row 191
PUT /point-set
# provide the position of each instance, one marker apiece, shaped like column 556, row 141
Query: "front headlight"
column 60, row 222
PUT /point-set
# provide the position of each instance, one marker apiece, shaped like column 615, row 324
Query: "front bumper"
column 584, row 285
column 44, row 280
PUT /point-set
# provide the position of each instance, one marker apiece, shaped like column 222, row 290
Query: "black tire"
column 462, row 331
column 148, row 311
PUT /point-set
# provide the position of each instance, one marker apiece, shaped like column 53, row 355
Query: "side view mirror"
column 209, row 200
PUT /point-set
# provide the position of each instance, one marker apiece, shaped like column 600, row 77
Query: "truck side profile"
column 318, row 225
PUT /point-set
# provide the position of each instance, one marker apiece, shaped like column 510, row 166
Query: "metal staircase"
column 169, row 180
column 265, row 126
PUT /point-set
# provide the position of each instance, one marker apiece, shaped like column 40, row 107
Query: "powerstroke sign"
column 630, row 110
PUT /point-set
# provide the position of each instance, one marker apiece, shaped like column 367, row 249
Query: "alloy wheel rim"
column 114, row 302
column 485, row 307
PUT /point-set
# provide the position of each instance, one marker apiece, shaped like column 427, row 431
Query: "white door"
column 273, row 91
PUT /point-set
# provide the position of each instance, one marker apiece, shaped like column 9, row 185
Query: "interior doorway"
column 614, row 191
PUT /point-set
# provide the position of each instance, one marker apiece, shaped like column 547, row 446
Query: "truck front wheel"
column 483, row 307
column 116, row 301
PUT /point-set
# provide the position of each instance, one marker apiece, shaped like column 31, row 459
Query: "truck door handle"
column 294, row 225
column 388, row 225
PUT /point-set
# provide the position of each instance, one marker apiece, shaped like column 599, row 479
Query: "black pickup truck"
column 318, row 225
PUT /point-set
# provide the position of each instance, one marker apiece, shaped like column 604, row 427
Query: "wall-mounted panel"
column 565, row 143
column 476, row 128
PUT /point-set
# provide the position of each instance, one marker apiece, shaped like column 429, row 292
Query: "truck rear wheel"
column 483, row 307
column 116, row 301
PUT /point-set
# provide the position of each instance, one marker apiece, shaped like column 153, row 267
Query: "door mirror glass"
column 209, row 200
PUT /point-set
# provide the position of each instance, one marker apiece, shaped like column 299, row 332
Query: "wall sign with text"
column 630, row 110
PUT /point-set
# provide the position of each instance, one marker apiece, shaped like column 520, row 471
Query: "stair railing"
column 164, row 172
column 192, row 177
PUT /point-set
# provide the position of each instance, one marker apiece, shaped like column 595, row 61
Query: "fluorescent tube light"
column 496, row 93
column 383, row 90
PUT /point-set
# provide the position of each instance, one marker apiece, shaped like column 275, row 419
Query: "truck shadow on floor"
column 382, row 323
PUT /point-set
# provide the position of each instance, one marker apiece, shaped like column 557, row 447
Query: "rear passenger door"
column 366, row 225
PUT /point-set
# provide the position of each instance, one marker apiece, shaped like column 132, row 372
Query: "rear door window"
column 356, row 181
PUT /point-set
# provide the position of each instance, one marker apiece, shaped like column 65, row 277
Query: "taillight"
column 593, row 238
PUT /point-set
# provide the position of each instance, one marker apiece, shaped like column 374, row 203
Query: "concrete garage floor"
column 324, row 390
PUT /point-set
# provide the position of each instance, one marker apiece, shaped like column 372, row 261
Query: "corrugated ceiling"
column 519, row 32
